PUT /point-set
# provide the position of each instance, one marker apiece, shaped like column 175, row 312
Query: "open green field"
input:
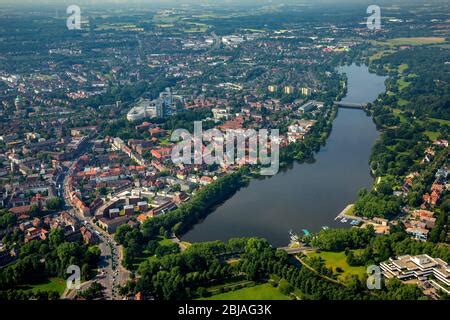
column 117, row 27
column 165, row 242
column 441, row 121
column 402, row 102
column 377, row 55
column 399, row 113
column 402, row 84
column 146, row 254
column 52, row 284
column 338, row 259
column 432, row 135
column 260, row 292
column 350, row 210
column 415, row 41
column 402, row 67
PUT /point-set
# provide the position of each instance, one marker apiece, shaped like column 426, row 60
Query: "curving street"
column 111, row 274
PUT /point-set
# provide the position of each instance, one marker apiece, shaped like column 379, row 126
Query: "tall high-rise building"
column 288, row 90
column 157, row 108
column 18, row 103
column 272, row 88
column 166, row 96
column 305, row 91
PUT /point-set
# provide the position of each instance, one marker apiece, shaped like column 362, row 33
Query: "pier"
column 344, row 214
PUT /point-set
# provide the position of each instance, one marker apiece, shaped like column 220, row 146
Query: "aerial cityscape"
column 224, row 150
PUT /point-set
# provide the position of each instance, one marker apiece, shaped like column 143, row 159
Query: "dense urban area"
column 87, row 176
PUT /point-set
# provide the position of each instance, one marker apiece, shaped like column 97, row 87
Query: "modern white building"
column 156, row 108
column 166, row 97
column 232, row 40
column 305, row 91
column 310, row 106
column 417, row 267
column 220, row 113
column 146, row 109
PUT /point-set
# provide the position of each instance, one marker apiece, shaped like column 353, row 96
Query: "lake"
column 308, row 196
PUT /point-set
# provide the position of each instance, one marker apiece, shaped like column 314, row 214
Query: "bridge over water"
column 297, row 250
column 351, row 105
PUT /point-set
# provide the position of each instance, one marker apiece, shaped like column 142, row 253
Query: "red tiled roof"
column 20, row 210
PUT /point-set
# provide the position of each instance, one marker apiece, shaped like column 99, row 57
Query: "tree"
column 396, row 290
column 340, row 239
column 121, row 233
column 103, row 191
column 56, row 237
column 7, row 219
column 95, row 291
column 284, row 287
column 54, row 204
column 34, row 210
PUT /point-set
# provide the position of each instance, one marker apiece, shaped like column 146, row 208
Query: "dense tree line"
column 20, row 295
column 187, row 274
column 376, row 204
column 373, row 248
column 303, row 151
column 95, row 291
column 125, row 129
column 7, row 219
column 428, row 91
column 440, row 230
column 38, row 260
column 129, row 93
column 183, row 218
column 340, row 239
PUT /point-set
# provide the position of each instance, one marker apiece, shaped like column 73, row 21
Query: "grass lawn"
column 377, row 55
column 116, row 26
column 260, row 292
column 432, row 135
column 441, row 121
column 164, row 142
column 402, row 67
column 402, row 84
column 399, row 113
column 52, row 284
column 165, row 242
column 402, row 102
column 415, row 41
column 230, row 285
column 186, row 244
column 350, row 210
column 338, row 259
column 146, row 254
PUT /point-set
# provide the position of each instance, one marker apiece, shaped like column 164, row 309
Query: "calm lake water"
column 308, row 196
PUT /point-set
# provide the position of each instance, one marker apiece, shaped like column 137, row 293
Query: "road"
column 112, row 274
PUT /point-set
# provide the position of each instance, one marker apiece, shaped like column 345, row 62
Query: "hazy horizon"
column 211, row 2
